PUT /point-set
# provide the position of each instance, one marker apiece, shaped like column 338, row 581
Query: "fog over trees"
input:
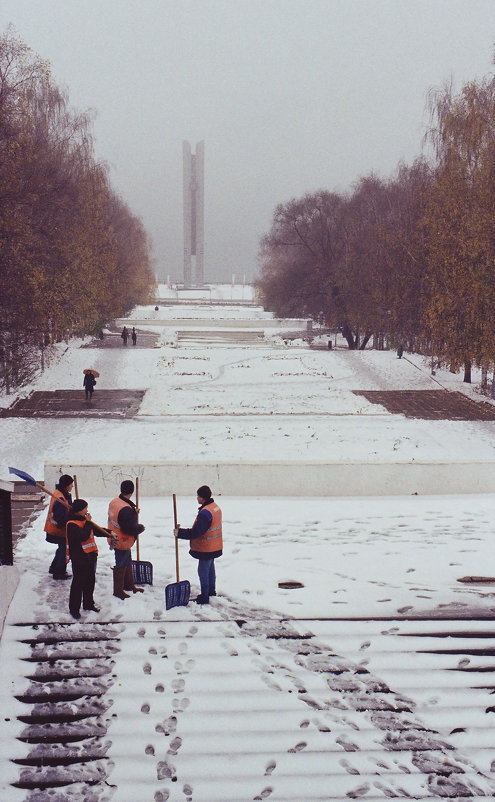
column 408, row 260
column 72, row 255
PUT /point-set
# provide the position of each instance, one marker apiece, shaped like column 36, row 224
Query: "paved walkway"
column 430, row 404
column 72, row 403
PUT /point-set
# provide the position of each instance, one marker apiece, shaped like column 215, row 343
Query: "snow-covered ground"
column 236, row 702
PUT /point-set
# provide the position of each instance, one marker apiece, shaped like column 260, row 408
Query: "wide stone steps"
column 233, row 710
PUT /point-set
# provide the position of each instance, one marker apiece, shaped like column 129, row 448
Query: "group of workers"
column 69, row 526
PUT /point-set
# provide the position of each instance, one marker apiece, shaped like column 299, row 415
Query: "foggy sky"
column 290, row 96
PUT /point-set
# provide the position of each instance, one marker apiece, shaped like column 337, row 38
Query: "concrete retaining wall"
column 283, row 479
column 220, row 323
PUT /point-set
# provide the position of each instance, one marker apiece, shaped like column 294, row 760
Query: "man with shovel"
column 206, row 542
column 55, row 524
column 125, row 527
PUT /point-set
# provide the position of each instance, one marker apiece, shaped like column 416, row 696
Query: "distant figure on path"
column 400, row 351
column 89, row 382
column 206, row 542
column 55, row 522
column 133, row 336
column 125, row 335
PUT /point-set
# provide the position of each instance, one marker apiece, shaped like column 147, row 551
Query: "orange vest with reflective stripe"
column 124, row 542
column 212, row 538
column 51, row 526
column 87, row 546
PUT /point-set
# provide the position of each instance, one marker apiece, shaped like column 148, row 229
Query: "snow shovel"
column 32, row 481
column 177, row 594
column 142, row 571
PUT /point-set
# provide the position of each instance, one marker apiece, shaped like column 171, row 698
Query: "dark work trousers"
column 207, row 577
column 83, row 582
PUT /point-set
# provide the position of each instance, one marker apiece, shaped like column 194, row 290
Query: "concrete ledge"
column 9, row 579
column 214, row 323
column 283, row 478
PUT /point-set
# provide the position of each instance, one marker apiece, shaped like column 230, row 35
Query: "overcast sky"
column 290, row 96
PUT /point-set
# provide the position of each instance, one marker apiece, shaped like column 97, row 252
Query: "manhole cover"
column 291, row 584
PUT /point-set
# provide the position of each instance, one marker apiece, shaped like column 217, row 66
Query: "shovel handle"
column 176, row 539
column 137, row 506
column 45, row 490
column 75, row 486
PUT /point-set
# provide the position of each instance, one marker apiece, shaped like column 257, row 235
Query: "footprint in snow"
column 152, row 650
column 161, row 796
column 168, row 727
column 192, row 631
column 150, row 750
column 175, row 745
column 157, row 614
column 358, row 792
column 270, row 766
column 141, row 632
column 147, row 668
column 188, row 791
column 264, row 794
column 178, row 685
column 298, row 747
column 404, row 609
column 159, row 688
column 165, row 770
column 181, row 705
column 182, row 648
column 365, row 645
column 145, row 708
column 347, row 766
column 304, row 724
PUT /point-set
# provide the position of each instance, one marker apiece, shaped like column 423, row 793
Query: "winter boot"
column 129, row 581
column 118, row 583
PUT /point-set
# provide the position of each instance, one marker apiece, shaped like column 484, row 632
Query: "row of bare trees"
column 410, row 259
column 72, row 255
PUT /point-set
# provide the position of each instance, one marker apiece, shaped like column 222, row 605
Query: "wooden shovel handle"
column 176, row 539
column 45, row 490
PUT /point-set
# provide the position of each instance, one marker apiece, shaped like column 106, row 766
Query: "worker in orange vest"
column 55, row 524
column 125, row 527
column 206, row 541
column 83, row 553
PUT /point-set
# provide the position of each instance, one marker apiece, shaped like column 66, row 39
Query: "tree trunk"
column 467, row 371
column 365, row 341
column 347, row 333
column 484, row 377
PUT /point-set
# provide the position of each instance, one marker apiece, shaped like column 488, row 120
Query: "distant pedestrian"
column 133, row 336
column 400, row 351
column 89, row 382
column 125, row 335
column 206, row 542
column 83, row 553
column 55, row 523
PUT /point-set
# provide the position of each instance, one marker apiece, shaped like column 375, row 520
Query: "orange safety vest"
column 125, row 542
column 212, row 538
column 51, row 526
column 87, row 546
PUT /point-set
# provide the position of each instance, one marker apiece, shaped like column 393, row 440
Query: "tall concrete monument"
column 194, row 214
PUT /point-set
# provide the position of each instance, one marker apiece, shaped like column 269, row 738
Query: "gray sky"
column 290, row 96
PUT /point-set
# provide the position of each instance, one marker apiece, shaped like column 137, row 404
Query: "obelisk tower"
column 194, row 211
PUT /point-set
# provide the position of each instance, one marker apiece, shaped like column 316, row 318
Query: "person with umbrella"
column 89, row 382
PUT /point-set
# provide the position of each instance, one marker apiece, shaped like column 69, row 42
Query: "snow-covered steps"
column 221, row 337
column 222, row 710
